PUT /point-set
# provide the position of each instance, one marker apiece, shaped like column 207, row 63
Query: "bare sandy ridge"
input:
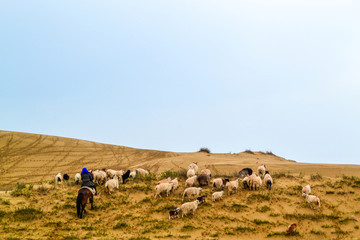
column 26, row 157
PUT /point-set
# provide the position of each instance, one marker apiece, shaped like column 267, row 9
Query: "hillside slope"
column 29, row 158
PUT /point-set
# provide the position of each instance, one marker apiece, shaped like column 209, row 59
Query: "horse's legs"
column 92, row 201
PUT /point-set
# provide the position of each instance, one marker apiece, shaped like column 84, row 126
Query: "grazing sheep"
column 217, row 196
column 125, row 176
column 192, row 192
column 291, row 228
column 261, row 170
column 203, row 179
column 100, row 176
column 194, row 166
column 190, row 182
column 245, row 172
column 232, row 186
column 77, row 178
column 201, row 199
column 163, row 187
column 254, row 182
column 141, row 171
column 190, row 173
column 219, row 183
column 133, row 174
column 268, row 180
column 174, row 213
column 111, row 184
column 246, row 183
column 188, row 207
column 58, row 179
column 119, row 173
column 313, row 199
column 166, row 180
column 306, row 190
column 110, row 173
column 206, row 171
column 176, row 184
column 66, row 177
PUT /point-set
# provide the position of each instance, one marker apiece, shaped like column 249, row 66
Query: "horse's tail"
column 78, row 203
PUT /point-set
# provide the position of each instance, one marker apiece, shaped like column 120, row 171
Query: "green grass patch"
column 120, row 225
column 258, row 197
column 317, row 232
column 188, row 227
column 27, row 214
column 313, row 217
column 264, row 208
column 243, row 229
column 260, row 222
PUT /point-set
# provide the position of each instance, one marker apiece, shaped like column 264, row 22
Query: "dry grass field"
column 32, row 208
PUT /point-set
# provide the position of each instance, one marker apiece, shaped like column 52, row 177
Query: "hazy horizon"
column 175, row 76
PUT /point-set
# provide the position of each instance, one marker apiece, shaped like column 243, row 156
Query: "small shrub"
column 120, row 225
column 263, row 209
column 237, row 207
column 205, row 150
column 249, row 151
column 315, row 177
column 330, row 192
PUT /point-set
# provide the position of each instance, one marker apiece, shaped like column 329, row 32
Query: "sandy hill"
column 41, row 210
column 28, row 158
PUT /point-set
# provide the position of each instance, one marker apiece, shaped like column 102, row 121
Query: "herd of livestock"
column 247, row 180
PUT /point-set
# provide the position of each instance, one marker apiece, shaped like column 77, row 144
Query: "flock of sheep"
column 247, row 180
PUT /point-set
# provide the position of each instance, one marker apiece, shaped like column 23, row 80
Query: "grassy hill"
column 36, row 209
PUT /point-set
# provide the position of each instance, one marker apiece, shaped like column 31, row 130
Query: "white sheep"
column 77, row 178
column 100, row 176
column 217, row 196
column 163, row 187
column 246, row 183
column 254, row 182
column 206, row 171
column 110, row 173
column 268, row 180
column 312, row 199
column 190, row 182
column 141, row 171
column 176, row 184
column 306, row 190
column 188, row 207
column 133, row 174
column 190, row 173
column 194, row 166
column 261, row 170
column 219, row 183
column 232, row 186
column 166, row 180
column 58, row 178
column 119, row 173
column 111, row 184
column 192, row 192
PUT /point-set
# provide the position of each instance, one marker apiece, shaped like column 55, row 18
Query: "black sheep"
column 66, row 177
column 174, row 213
column 201, row 199
column 125, row 176
column 203, row 179
column 245, row 172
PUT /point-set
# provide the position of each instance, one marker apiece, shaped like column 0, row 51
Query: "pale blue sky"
column 280, row 76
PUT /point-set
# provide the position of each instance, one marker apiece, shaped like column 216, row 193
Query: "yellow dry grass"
column 41, row 211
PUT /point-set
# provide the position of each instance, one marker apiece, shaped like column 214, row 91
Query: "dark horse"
column 83, row 195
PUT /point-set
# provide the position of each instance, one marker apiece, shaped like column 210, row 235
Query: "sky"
column 280, row 76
